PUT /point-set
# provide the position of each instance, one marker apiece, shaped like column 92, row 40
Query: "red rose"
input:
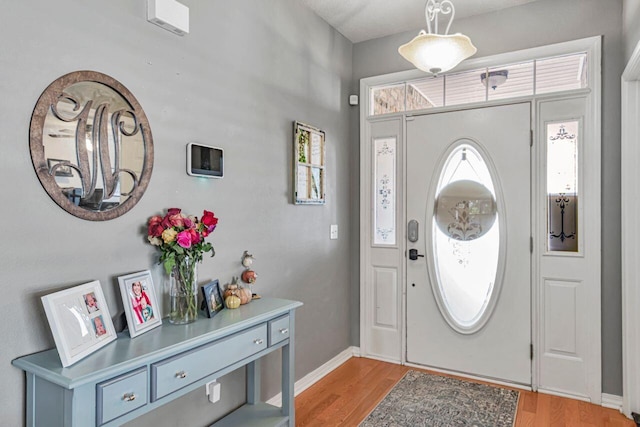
column 209, row 219
column 193, row 234
column 155, row 226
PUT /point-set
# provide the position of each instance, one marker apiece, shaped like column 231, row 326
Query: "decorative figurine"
column 232, row 294
column 248, row 275
column 247, row 259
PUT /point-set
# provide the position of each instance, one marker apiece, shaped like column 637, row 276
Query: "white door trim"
column 630, row 195
column 592, row 45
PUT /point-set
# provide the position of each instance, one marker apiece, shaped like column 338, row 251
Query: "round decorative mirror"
column 91, row 145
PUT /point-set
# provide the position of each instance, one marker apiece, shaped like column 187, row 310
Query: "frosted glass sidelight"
column 562, row 186
column 466, row 238
column 385, row 192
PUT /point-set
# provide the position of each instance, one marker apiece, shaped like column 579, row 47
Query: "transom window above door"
column 527, row 78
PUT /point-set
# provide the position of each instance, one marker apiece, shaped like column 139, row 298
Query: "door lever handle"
column 414, row 255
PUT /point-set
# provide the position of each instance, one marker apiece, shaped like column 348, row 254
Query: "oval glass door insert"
column 466, row 240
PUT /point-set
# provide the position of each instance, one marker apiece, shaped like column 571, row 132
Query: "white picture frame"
column 141, row 305
column 79, row 320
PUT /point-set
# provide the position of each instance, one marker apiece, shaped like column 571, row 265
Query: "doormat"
column 421, row 399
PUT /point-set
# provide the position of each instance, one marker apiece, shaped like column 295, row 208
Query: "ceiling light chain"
column 433, row 8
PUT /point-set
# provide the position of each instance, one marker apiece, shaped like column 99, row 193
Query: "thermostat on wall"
column 204, row 160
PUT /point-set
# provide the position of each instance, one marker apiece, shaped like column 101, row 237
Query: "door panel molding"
column 630, row 195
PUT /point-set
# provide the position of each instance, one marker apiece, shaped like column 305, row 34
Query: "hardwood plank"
column 348, row 394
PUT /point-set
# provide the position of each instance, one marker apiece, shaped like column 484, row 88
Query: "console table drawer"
column 278, row 330
column 179, row 371
column 121, row 395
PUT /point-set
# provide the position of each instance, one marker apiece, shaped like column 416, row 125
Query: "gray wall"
column 630, row 26
column 244, row 74
column 535, row 24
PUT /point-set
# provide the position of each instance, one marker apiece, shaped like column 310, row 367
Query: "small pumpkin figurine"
column 231, row 294
column 245, row 295
column 230, row 287
column 249, row 276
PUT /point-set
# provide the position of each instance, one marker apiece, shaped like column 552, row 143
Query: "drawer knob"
column 258, row 341
column 284, row 331
column 129, row 397
column 181, row 374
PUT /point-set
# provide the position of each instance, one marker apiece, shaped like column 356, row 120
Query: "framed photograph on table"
column 308, row 165
column 212, row 298
column 79, row 320
column 140, row 302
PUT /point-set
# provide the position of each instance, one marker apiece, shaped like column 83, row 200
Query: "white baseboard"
column 316, row 375
column 612, row 401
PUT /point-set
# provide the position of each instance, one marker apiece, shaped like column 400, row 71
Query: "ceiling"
column 360, row 20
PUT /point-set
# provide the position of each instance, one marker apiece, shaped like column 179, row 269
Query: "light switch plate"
column 334, row 231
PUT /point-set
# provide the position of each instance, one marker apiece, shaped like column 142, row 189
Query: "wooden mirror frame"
column 46, row 171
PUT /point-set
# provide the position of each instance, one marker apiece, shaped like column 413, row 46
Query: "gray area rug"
column 421, row 399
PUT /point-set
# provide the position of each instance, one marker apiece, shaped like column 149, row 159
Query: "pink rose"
column 184, row 239
column 176, row 220
column 173, row 211
column 188, row 222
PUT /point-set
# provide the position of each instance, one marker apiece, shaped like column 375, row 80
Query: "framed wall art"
column 140, row 303
column 308, row 165
column 79, row 320
column 212, row 298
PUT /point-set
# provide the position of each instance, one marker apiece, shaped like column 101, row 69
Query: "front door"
column 468, row 250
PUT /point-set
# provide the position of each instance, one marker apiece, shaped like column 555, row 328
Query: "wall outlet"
column 213, row 391
column 334, row 231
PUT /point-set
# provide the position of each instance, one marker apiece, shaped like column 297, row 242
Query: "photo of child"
column 212, row 297
column 147, row 311
column 138, row 295
column 141, row 306
column 91, row 303
column 98, row 325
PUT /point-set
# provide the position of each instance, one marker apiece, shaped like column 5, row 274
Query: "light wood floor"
column 347, row 395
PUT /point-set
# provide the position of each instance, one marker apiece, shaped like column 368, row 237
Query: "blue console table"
column 130, row 377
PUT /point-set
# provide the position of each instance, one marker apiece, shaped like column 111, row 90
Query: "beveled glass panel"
column 466, row 238
column 562, row 186
column 385, row 192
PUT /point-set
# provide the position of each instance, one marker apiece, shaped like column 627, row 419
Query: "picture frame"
column 141, row 306
column 62, row 170
column 213, row 301
column 79, row 320
column 309, row 177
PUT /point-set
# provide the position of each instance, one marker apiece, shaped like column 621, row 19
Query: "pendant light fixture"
column 433, row 52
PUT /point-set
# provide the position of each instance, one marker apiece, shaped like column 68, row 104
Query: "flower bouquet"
column 180, row 239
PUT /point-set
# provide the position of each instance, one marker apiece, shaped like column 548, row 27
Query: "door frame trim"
column 630, row 195
column 593, row 46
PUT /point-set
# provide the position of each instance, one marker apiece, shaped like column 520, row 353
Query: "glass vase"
column 183, row 292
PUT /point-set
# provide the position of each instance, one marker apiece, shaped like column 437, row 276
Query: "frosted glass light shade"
column 435, row 53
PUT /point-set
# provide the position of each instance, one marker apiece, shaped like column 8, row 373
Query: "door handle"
column 414, row 255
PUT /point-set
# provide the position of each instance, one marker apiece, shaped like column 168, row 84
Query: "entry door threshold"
column 473, row 377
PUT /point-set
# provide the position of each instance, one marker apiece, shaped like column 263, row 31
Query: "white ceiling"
column 360, row 20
